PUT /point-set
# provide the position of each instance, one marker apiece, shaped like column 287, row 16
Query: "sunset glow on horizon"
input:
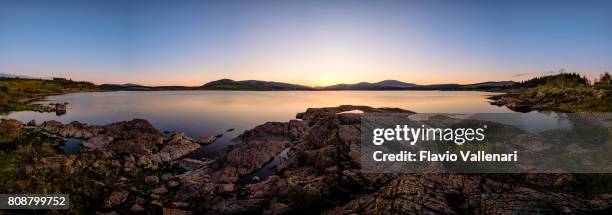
column 314, row 43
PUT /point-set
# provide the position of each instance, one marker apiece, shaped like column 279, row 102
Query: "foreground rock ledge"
column 321, row 174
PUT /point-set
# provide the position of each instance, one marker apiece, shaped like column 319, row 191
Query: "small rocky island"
column 564, row 92
column 567, row 101
column 130, row 167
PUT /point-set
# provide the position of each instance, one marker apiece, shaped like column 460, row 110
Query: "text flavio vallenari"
column 428, row 156
column 459, row 136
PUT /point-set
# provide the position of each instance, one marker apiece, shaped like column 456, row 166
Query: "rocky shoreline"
column 565, row 101
column 130, row 167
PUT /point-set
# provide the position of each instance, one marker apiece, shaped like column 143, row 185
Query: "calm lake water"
column 202, row 113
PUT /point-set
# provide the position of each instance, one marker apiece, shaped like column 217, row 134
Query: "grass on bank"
column 567, row 92
column 87, row 186
column 15, row 92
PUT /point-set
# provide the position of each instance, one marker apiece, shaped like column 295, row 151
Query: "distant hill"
column 223, row 84
column 383, row 85
column 398, row 85
column 136, row 87
column 436, row 87
column 228, row 84
column 130, row 85
column 488, row 85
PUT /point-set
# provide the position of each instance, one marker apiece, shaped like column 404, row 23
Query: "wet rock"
column 159, row 190
column 559, row 181
column 159, row 158
column 115, row 163
column 75, row 130
column 299, row 116
column 52, row 126
column 349, row 133
column 116, row 198
column 174, row 211
column 258, row 146
column 129, row 163
column 32, row 123
column 207, row 140
column 189, row 164
column 99, row 184
column 60, row 107
column 156, row 203
column 137, row 208
column 136, row 137
column 167, row 177
column 277, row 208
column 173, row 183
column 140, row 200
column 151, row 180
column 134, row 189
column 194, row 184
column 98, row 142
column 225, row 188
column 178, row 147
column 179, row 205
column 154, row 196
column 350, row 118
column 237, row 206
column 144, row 161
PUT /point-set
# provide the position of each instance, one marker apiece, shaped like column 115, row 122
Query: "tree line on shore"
column 565, row 80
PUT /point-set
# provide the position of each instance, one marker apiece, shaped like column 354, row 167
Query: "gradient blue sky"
column 305, row 42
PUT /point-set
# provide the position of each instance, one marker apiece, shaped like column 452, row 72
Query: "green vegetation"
column 604, row 81
column 15, row 92
column 563, row 92
column 581, row 98
column 562, row 80
column 88, row 183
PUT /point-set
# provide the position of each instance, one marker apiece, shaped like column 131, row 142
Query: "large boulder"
column 256, row 148
column 52, row 126
column 178, row 147
column 151, row 180
column 116, row 198
column 137, row 137
column 76, row 130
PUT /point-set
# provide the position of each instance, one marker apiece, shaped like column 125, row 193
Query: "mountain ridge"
column 259, row 85
column 381, row 85
column 229, row 84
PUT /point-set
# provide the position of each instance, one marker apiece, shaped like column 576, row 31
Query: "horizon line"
column 305, row 85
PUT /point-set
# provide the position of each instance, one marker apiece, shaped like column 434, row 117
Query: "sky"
column 310, row 42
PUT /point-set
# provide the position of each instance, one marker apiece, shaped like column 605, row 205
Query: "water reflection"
column 204, row 113
column 73, row 145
